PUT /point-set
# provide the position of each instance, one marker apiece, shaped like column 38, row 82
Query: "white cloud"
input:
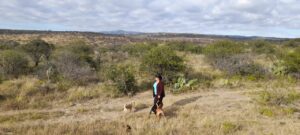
column 247, row 17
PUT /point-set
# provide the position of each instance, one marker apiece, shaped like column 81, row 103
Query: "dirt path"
column 112, row 109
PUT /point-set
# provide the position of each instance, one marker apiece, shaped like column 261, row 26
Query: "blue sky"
column 279, row 18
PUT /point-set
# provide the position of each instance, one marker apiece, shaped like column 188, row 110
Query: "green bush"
column 292, row 43
column 37, row 49
column 84, row 51
column 292, row 62
column 240, row 65
column 227, row 56
column 185, row 84
column 71, row 67
column 266, row 112
column 186, row 46
column 123, row 78
column 13, row 63
column 10, row 44
column 163, row 60
column 228, row 127
column 262, row 46
column 276, row 97
column 138, row 49
column 279, row 68
column 223, row 49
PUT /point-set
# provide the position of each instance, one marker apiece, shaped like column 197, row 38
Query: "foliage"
column 185, row 46
column 229, row 127
column 292, row 43
column 183, row 84
column 267, row 112
column 10, row 44
column 292, row 62
column 238, row 65
column 223, row 49
column 138, row 49
column 20, row 92
column 262, row 46
column 72, row 67
column 84, row 51
column 37, row 49
column 279, row 68
column 122, row 76
column 277, row 97
column 163, row 60
column 13, row 63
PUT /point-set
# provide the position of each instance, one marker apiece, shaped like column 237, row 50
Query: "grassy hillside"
column 77, row 83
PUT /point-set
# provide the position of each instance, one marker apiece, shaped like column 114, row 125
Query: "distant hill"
column 141, row 35
column 121, row 32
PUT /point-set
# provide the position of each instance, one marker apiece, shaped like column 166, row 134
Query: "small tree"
column 262, row 46
column 72, row 67
column 10, row 44
column 292, row 62
column 123, row 78
column 222, row 49
column 38, row 48
column 13, row 63
column 84, row 52
column 163, row 60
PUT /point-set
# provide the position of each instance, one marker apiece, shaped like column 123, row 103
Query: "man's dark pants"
column 158, row 101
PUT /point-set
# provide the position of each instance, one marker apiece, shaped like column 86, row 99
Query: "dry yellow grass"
column 219, row 112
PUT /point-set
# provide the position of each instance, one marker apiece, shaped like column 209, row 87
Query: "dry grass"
column 16, row 118
column 213, row 113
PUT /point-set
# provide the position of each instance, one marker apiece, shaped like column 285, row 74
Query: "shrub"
column 279, row 68
column 10, row 44
column 123, row 78
column 229, row 127
column 20, row 93
column 292, row 62
column 262, row 46
column 138, row 49
column 72, row 67
column 186, row 46
column 13, row 63
column 277, row 97
column 80, row 47
column 184, row 84
column 223, row 49
column 163, row 60
column 37, row 49
column 85, row 53
column 267, row 112
column 292, row 43
column 238, row 65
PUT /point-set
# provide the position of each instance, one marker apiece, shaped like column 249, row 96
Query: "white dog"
column 129, row 107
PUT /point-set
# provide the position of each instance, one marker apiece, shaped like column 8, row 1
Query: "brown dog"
column 159, row 111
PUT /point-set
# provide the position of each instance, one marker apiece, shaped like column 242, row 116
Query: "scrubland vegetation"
column 39, row 75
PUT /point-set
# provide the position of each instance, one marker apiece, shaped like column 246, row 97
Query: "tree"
column 9, row 44
column 262, row 46
column 72, row 67
column 222, row 49
column 13, row 63
column 123, row 78
column 292, row 62
column 37, row 49
column 84, row 52
column 163, row 60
